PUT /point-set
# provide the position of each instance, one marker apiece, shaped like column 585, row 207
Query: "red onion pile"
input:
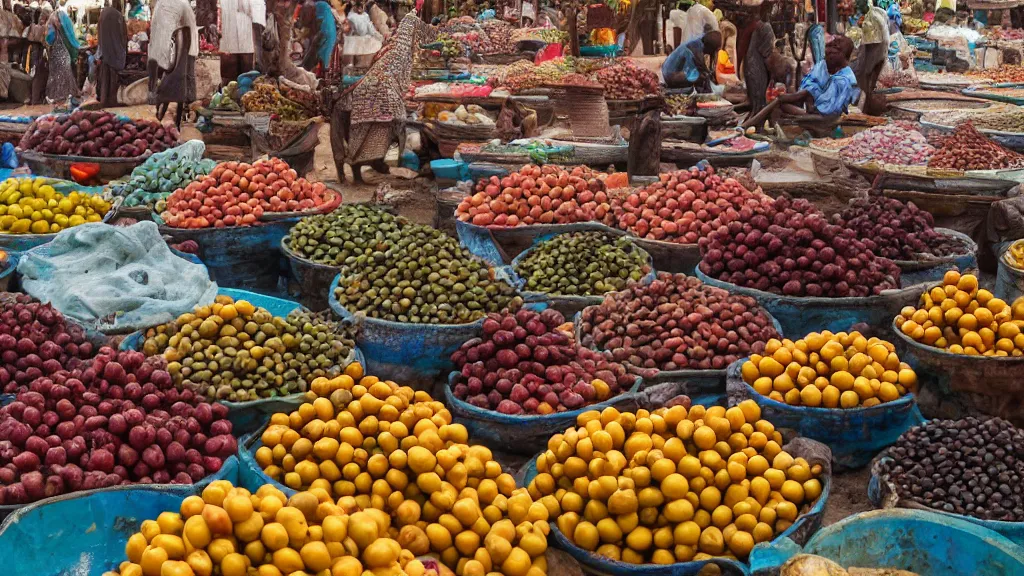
column 789, row 247
column 900, row 231
column 681, row 206
column 627, row 81
column 115, row 420
column 524, row 364
column 36, row 340
column 677, row 323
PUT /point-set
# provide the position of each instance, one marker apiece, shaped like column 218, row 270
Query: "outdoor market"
column 512, row 287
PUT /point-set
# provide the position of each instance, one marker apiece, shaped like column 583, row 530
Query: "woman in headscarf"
column 113, row 48
column 319, row 17
column 173, row 48
column 753, row 58
column 63, row 56
column 370, row 114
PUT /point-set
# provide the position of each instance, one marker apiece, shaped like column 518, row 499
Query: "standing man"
column 236, row 38
column 113, row 48
column 874, row 49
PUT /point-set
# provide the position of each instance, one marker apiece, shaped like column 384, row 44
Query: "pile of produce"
column 889, row 144
column 962, row 318
column 1014, row 255
column 680, row 104
column 811, row 565
column 1011, row 120
column 32, row 206
column 1005, row 74
column 115, row 420
column 35, row 341
column 676, row 323
column 237, row 194
column 900, row 231
column 380, row 445
column 265, row 97
column 913, row 25
column 681, row 206
column 165, row 172
column 971, row 466
column 235, row 351
column 230, row 531
column 524, row 75
column 537, row 195
column 788, row 247
column 466, row 115
column 624, row 80
column 844, row 370
column 527, row 363
column 226, row 99
column 340, row 237
column 967, row 149
column 582, row 264
column 97, row 134
column 423, row 276
column 697, row 496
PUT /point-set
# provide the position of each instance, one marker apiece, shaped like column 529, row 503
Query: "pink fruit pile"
column 677, row 323
column 528, row 363
column 115, row 420
column 97, row 134
column 237, row 194
column 681, row 206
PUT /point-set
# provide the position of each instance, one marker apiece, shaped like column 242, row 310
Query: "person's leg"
column 179, row 114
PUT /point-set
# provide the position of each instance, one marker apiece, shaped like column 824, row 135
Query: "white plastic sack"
column 115, row 279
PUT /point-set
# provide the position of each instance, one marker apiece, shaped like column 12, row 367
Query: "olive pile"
column 235, row 351
column 582, row 264
column 970, row 466
column 340, row 237
column 423, row 276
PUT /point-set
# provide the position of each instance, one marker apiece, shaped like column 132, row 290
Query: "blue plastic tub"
column 247, row 257
column 883, row 495
column 918, row 541
column 803, row 315
column 247, row 416
column 14, row 514
column 447, row 169
column 413, row 354
column 85, row 533
column 805, row 526
column 521, row 434
column 854, row 435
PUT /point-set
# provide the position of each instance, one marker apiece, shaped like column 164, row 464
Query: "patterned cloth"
column 755, row 67
column 378, row 108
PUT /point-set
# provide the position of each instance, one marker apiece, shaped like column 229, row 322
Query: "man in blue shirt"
column 828, row 89
column 686, row 66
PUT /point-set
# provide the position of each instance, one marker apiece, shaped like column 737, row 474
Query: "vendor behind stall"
column 827, row 90
column 686, row 66
column 872, row 55
column 112, row 51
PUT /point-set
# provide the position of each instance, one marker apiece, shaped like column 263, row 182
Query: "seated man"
column 686, row 66
column 827, row 90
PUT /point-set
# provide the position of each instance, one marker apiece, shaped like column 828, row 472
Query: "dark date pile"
column 967, row 149
column 971, row 466
column 900, row 230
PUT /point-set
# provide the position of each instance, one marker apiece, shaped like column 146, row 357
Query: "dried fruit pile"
column 527, row 363
column 971, row 466
column 237, row 194
column 788, row 247
column 537, row 195
column 36, row 340
column 582, row 264
column 889, row 144
column 676, row 323
column 967, row 149
column 682, row 205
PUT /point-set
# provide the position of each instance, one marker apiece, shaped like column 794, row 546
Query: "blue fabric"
column 328, row 32
column 682, row 59
column 894, row 14
column 832, row 93
column 816, row 36
column 8, row 157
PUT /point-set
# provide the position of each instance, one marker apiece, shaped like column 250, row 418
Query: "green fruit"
column 582, row 264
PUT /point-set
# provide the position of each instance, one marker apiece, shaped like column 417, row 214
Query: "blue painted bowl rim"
column 815, row 300
column 923, row 351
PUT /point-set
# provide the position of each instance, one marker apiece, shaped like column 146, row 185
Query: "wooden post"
column 644, row 155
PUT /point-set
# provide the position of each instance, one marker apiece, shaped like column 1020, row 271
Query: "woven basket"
column 465, row 132
column 585, row 109
column 281, row 132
